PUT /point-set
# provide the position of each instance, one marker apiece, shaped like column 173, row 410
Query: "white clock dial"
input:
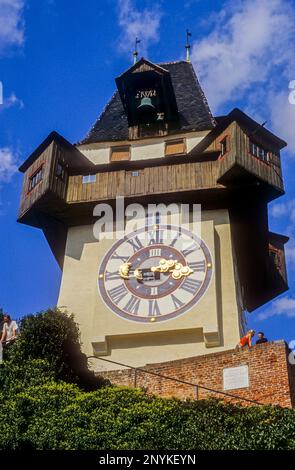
column 155, row 273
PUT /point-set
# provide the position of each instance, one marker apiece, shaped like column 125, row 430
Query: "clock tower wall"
column 213, row 322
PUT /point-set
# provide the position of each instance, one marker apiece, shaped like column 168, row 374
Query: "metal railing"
column 174, row 379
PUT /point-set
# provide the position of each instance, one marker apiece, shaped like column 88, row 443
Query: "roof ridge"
column 102, row 114
column 193, row 109
column 174, row 62
column 205, row 101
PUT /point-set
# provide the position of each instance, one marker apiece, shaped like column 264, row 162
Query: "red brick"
column 272, row 377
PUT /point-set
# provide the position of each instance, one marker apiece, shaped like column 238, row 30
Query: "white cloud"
column 248, row 39
column 283, row 306
column 286, row 211
column 283, row 116
column 143, row 24
column 11, row 24
column 12, row 101
column 248, row 55
column 290, row 253
column 281, row 209
column 8, row 165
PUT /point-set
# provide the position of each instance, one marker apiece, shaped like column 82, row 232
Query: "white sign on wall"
column 235, row 377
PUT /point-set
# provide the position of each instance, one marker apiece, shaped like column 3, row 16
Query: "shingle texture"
column 194, row 112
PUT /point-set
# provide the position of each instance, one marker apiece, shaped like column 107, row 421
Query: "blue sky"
column 58, row 61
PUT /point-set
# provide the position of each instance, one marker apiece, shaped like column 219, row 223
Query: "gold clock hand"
column 138, row 274
column 124, row 270
column 164, row 266
column 175, row 267
column 181, row 271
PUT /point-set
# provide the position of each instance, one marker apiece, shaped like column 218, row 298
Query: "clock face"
column 155, row 273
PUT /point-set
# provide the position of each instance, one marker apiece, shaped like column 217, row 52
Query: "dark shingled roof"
column 194, row 112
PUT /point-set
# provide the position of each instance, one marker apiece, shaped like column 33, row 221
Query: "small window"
column 135, row 173
column 262, row 154
column 60, row 171
column 253, row 149
column 120, row 153
column 174, row 147
column 259, row 152
column 35, row 178
column 223, row 146
column 89, row 179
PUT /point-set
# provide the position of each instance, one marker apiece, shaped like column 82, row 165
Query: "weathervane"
column 188, row 46
column 135, row 53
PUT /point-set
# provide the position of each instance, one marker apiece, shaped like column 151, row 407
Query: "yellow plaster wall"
column 212, row 323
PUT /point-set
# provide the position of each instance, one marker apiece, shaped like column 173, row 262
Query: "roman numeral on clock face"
column 133, row 305
column 155, row 252
column 112, row 276
column 189, row 250
column 118, row 293
column 122, row 258
column 135, row 243
column 197, row 266
column 154, row 291
column 176, row 238
column 191, row 285
column 154, row 308
column 155, row 237
column 177, row 303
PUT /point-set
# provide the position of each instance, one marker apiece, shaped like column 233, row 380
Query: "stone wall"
column 271, row 376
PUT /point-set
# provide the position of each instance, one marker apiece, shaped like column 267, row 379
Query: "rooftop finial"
column 135, row 53
column 188, row 46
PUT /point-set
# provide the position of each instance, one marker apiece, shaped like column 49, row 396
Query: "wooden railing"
column 151, row 180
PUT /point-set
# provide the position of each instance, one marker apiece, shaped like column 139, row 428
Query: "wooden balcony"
column 206, row 177
column 53, row 150
column 145, row 182
column 239, row 166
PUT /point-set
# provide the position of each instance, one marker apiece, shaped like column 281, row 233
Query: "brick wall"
column 271, row 376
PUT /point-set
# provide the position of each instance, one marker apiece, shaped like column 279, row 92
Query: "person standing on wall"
column 261, row 338
column 246, row 340
column 9, row 330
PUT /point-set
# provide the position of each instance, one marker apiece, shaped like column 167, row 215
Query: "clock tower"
column 158, row 219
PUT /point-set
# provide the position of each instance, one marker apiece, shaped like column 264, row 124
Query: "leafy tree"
column 53, row 336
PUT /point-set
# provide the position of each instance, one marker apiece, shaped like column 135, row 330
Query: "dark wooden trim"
column 77, row 158
column 31, row 176
column 129, row 165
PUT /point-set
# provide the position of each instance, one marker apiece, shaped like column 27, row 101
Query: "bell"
column 146, row 105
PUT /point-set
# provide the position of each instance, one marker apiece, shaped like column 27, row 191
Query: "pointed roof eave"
column 241, row 118
column 141, row 61
column 77, row 158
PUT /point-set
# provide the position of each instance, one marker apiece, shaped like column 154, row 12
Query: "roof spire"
column 188, row 46
column 135, row 53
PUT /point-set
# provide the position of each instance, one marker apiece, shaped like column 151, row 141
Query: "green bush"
column 44, row 405
column 53, row 335
column 61, row 416
column 16, row 377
